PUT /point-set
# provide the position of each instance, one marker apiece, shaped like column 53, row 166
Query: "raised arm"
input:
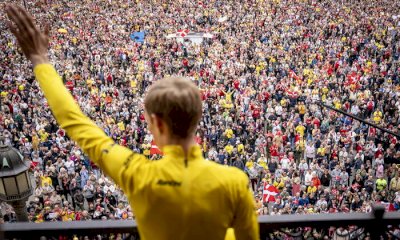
column 113, row 159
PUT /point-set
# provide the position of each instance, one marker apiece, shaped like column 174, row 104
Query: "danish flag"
column 154, row 149
column 182, row 33
column 269, row 193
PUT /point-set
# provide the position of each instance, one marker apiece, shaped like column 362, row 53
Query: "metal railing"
column 374, row 225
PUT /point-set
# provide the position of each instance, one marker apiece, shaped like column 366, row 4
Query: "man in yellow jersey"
column 180, row 197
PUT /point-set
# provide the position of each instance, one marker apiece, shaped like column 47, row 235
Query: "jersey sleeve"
column 112, row 158
column 245, row 221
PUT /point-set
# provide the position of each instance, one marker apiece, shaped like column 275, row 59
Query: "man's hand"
column 32, row 41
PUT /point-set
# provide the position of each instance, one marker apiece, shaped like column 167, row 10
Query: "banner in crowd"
column 138, row 37
column 193, row 37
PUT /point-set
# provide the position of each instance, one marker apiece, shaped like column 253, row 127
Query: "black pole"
column 377, row 229
column 25, row 4
column 359, row 119
column 20, row 210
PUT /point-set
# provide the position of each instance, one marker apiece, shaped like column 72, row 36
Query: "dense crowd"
column 261, row 76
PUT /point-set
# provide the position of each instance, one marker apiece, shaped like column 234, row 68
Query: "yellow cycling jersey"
column 177, row 197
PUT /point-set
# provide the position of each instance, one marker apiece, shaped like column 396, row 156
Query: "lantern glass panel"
column 10, row 186
column 2, row 190
column 29, row 179
column 22, row 183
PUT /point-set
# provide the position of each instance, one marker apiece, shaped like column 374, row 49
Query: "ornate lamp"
column 15, row 183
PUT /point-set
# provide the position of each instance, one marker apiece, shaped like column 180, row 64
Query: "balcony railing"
column 375, row 225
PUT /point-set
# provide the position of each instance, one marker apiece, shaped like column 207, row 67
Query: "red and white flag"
column 292, row 74
column 154, row 149
column 60, row 133
column 182, row 33
column 33, row 165
column 269, row 193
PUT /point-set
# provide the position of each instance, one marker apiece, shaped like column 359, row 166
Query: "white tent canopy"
column 194, row 37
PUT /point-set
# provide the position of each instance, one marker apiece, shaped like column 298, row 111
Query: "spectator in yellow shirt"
column 249, row 164
column 300, row 129
column 133, row 83
column 377, row 116
column 337, row 104
column 229, row 148
column 3, row 94
column 146, row 148
column 228, row 133
column 300, row 145
column 279, row 183
column 45, row 179
column 228, row 104
column 43, row 135
column 240, row 148
column 121, row 125
column 302, row 109
column 228, row 96
column 321, row 151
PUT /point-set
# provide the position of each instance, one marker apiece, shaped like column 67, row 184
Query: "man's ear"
column 159, row 123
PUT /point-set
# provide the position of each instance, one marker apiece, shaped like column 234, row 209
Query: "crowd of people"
column 262, row 76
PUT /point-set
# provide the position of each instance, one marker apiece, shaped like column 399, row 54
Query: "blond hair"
column 177, row 101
